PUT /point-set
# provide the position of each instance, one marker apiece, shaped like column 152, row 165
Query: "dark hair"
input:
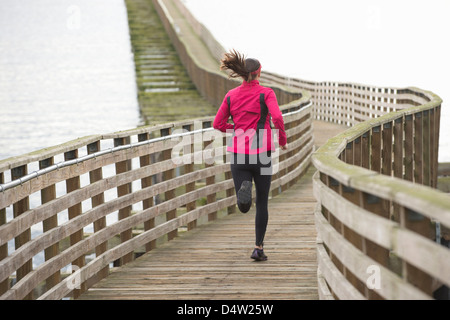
column 239, row 66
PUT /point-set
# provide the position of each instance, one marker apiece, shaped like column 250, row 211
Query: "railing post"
column 4, row 285
column 349, row 153
column 209, row 180
column 229, row 192
column 375, row 163
column 398, row 158
column 386, row 160
column 354, row 196
column 365, row 150
column 419, row 224
column 121, row 167
column 20, row 207
column 48, row 194
column 335, row 223
column 354, row 238
column 292, row 153
column 375, row 205
column 426, row 148
column 170, row 194
column 435, row 144
column 73, row 184
column 287, row 155
column 188, row 168
column 336, row 187
column 434, row 162
column 418, row 148
column 147, row 182
column 94, row 176
column 357, row 152
column 409, row 145
column 398, row 148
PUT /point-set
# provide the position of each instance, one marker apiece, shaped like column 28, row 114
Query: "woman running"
column 251, row 106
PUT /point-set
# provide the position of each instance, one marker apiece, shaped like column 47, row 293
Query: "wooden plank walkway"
column 213, row 261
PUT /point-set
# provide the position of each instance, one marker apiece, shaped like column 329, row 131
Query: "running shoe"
column 258, row 255
column 244, row 196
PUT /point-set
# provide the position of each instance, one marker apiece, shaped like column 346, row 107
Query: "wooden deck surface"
column 213, row 261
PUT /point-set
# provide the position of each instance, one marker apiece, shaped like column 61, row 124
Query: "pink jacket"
column 251, row 106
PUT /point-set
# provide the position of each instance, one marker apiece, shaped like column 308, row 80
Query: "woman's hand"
column 285, row 147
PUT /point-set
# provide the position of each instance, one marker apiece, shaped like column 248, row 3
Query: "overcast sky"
column 396, row 43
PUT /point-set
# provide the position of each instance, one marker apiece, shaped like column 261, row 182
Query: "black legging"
column 259, row 168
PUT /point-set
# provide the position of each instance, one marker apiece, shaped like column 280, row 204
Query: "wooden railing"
column 378, row 210
column 376, row 217
column 102, row 200
column 132, row 188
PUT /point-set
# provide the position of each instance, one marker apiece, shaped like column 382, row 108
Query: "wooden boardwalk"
column 165, row 91
column 213, row 261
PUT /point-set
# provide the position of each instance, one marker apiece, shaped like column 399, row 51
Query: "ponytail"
column 248, row 69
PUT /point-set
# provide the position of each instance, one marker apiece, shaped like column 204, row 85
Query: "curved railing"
column 115, row 195
column 102, row 200
column 378, row 211
column 375, row 221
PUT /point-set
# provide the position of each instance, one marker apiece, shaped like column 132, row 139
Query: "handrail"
column 400, row 131
column 153, row 142
column 155, row 197
column 63, row 164
column 180, row 177
column 67, row 163
column 378, row 215
column 381, row 175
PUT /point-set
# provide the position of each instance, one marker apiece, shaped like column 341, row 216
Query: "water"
column 383, row 43
column 67, row 71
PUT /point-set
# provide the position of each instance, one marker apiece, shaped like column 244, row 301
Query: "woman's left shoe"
column 244, row 196
column 258, row 255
